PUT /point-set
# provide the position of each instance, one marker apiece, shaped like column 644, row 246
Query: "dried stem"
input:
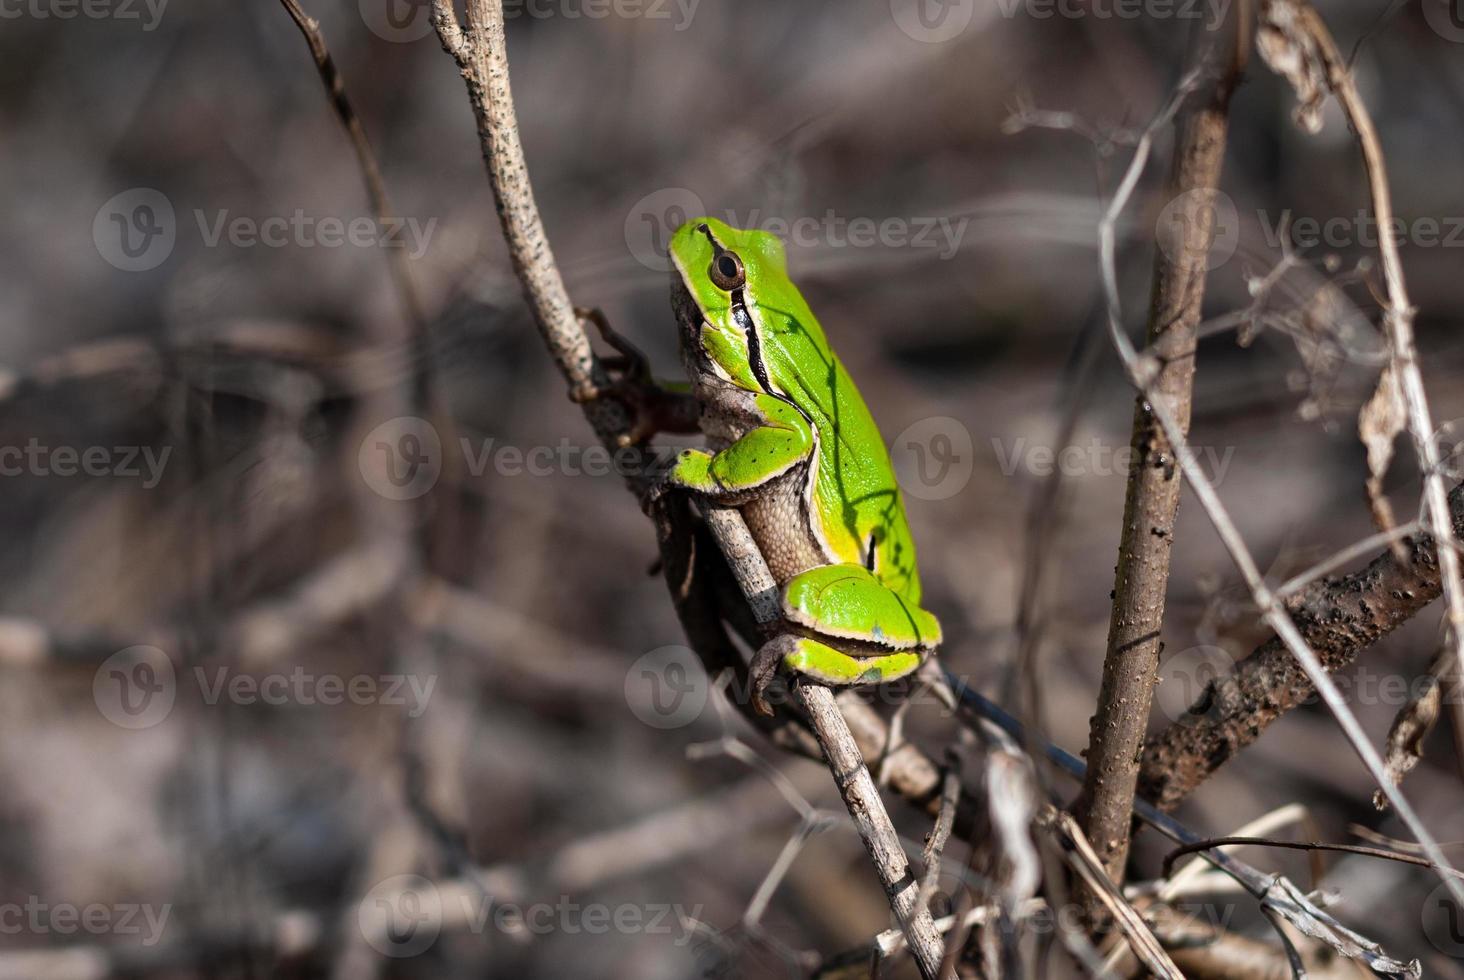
column 1398, row 315
column 1131, row 663
column 1338, row 618
column 481, row 54
column 371, row 170
column 1272, row 611
column 845, row 761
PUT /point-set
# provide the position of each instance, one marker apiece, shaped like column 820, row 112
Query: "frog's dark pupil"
column 727, row 266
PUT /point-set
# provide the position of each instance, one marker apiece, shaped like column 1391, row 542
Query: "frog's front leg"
column 655, row 406
column 779, row 439
column 892, row 636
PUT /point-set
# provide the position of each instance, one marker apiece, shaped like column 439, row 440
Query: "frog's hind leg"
column 820, row 662
column 849, row 602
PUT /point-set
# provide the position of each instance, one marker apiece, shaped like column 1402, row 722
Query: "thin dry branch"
column 1297, row 31
column 845, row 761
column 1141, row 576
column 1272, row 611
column 481, row 54
column 1338, row 617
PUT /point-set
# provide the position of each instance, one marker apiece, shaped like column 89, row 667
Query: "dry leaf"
column 1411, row 727
column 1379, row 422
column 1290, row 49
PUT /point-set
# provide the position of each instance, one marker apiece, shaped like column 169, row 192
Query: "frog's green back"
column 855, row 496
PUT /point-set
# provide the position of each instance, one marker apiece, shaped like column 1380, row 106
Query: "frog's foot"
column 817, row 661
column 653, row 408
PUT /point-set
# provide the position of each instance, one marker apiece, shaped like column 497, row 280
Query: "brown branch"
column 1338, row 617
column 335, row 87
column 1131, row 663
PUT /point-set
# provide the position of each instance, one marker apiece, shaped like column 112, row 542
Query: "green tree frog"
column 795, row 449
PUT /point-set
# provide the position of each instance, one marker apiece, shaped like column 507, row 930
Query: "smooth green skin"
column 810, row 407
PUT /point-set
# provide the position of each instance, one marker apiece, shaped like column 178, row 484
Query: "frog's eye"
column 727, row 271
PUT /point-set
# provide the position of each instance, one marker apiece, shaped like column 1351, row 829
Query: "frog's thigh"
column 823, row 663
column 849, row 602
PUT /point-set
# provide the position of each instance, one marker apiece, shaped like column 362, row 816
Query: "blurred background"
column 278, row 653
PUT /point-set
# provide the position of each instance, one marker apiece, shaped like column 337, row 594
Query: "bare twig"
column 1272, row 611
column 371, row 170
column 1295, row 26
column 1377, row 852
column 1141, row 580
column 1272, row 890
column 845, row 761
column 1338, row 618
column 1089, row 867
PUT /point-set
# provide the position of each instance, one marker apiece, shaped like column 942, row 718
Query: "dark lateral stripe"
column 754, row 345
